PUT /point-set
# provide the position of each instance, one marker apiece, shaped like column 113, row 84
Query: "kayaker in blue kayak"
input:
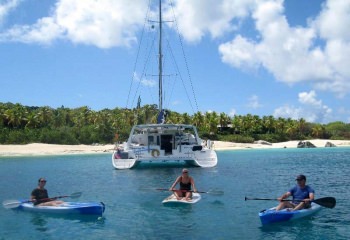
column 186, row 182
column 299, row 192
column 40, row 196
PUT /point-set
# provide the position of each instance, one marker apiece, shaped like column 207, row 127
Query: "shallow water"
column 134, row 209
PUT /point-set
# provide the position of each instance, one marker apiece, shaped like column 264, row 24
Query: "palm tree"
column 224, row 120
column 318, row 131
column 44, row 116
column 292, row 129
column 16, row 116
column 198, row 120
column 186, row 118
column 301, row 126
column 32, row 121
column 269, row 124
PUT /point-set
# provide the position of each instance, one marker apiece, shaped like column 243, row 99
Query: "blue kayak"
column 268, row 216
column 67, row 208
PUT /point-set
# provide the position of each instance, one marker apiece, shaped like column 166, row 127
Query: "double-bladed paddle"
column 213, row 192
column 328, row 202
column 16, row 203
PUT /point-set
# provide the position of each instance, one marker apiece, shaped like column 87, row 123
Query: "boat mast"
column 160, row 59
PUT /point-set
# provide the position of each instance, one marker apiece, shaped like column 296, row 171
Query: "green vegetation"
column 22, row 124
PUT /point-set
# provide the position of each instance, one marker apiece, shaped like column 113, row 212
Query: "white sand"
column 40, row 149
column 218, row 145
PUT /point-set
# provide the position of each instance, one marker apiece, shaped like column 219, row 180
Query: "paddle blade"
column 215, row 192
column 11, row 203
column 328, row 202
column 75, row 195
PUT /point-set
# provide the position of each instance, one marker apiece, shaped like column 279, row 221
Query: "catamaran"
column 162, row 142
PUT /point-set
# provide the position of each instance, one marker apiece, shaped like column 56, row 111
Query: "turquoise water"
column 134, row 209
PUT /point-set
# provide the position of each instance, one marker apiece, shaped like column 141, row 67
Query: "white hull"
column 164, row 143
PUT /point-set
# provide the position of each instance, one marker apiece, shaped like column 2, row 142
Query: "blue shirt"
column 300, row 193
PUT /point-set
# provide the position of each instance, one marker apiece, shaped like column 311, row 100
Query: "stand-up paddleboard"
column 171, row 200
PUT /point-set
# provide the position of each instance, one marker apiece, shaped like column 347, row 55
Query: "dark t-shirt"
column 301, row 193
column 40, row 195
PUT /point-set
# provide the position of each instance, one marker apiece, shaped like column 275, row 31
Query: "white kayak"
column 171, row 200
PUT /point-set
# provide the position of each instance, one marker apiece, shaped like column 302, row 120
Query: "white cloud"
column 291, row 54
column 6, row 7
column 332, row 22
column 196, row 18
column 44, row 31
column 108, row 23
column 288, row 112
column 232, row 112
column 308, row 98
column 240, row 53
column 102, row 23
column 253, row 102
column 317, row 53
column 148, row 82
column 143, row 81
column 311, row 109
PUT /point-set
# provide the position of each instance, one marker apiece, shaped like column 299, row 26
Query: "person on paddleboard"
column 40, row 197
column 186, row 183
column 299, row 192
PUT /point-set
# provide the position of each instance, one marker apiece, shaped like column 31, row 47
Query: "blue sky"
column 264, row 57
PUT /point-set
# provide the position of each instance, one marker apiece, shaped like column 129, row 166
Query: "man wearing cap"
column 299, row 192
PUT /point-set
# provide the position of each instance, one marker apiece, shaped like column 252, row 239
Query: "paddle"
column 16, row 203
column 213, row 192
column 328, row 202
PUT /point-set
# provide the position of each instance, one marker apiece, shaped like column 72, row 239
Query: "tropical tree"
column 318, row 131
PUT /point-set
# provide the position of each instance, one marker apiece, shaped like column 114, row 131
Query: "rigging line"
column 138, row 52
column 182, row 80
column 144, row 68
column 183, row 52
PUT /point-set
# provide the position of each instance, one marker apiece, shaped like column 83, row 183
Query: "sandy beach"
column 41, row 149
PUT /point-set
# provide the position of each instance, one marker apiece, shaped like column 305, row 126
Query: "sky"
column 285, row 58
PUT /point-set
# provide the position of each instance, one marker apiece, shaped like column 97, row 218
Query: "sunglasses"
column 184, row 172
column 42, row 180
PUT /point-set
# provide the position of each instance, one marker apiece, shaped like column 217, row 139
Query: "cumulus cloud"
column 317, row 53
column 102, row 23
column 196, row 18
column 6, row 7
column 311, row 109
column 108, row 23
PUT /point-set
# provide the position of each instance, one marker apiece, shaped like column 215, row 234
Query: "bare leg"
column 284, row 205
column 51, row 203
column 299, row 206
column 178, row 194
column 188, row 196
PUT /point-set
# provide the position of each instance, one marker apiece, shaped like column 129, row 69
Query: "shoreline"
column 319, row 143
column 42, row 149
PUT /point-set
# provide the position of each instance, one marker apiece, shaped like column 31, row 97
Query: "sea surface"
column 133, row 203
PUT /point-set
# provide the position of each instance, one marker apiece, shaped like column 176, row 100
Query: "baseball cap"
column 301, row 177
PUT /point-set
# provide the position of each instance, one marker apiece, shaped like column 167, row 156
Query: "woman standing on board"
column 186, row 182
